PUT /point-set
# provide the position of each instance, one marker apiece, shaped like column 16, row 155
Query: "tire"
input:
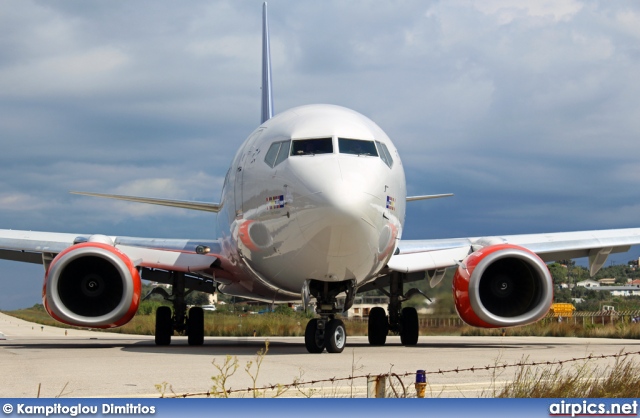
column 335, row 336
column 410, row 327
column 195, row 326
column 164, row 325
column 378, row 326
column 311, row 340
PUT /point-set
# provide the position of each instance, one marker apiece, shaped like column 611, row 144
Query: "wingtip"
column 427, row 197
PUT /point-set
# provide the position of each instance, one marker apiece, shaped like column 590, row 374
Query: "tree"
column 558, row 273
column 283, row 309
column 197, row 298
column 562, row 296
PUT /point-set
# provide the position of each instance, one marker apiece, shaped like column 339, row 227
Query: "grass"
column 38, row 315
column 554, row 329
column 276, row 324
column 585, row 380
column 216, row 323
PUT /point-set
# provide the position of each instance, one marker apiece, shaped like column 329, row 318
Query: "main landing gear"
column 191, row 325
column 327, row 332
column 403, row 321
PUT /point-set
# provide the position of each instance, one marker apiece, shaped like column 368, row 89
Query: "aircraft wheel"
column 195, row 326
column 164, row 325
column 410, row 327
column 378, row 326
column 335, row 336
column 312, row 341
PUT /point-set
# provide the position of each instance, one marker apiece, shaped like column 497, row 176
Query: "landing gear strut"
column 403, row 321
column 191, row 325
column 327, row 332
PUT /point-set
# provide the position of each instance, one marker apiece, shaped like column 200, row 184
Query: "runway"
column 43, row 361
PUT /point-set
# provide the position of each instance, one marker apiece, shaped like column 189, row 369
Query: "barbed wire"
column 332, row 380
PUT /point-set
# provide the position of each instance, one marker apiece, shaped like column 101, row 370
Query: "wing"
column 197, row 257
column 95, row 280
column 184, row 204
column 427, row 255
column 428, row 197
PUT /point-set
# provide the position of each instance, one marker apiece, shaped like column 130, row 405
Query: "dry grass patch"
column 586, row 380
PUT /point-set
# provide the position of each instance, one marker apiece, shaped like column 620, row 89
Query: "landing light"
column 203, row 249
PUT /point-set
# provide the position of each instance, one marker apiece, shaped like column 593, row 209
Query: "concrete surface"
column 46, row 361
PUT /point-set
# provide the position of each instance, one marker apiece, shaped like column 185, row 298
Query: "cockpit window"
column 312, row 146
column 384, row 153
column 277, row 153
column 357, row 147
column 284, row 151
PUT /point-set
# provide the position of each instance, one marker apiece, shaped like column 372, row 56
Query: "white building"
column 588, row 283
column 362, row 305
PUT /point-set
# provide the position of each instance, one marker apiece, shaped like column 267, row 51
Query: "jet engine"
column 502, row 285
column 92, row 285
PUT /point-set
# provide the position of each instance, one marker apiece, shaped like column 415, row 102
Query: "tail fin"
column 267, row 99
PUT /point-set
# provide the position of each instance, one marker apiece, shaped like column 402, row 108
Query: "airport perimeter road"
column 97, row 364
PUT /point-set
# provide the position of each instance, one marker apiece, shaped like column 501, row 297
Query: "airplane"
column 312, row 207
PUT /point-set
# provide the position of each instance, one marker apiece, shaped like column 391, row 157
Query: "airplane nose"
column 345, row 203
column 336, row 213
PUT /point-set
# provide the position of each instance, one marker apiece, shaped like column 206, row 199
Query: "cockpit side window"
column 357, row 147
column 277, row 153
column 312, row 146
column 284, row 151
column 272, row 153
column 385, row 154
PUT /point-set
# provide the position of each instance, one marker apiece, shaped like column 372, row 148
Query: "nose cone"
column 339, row 205
column 337, row 221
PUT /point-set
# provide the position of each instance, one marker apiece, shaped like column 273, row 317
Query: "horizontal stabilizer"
column 184, row 204
column 429, row 196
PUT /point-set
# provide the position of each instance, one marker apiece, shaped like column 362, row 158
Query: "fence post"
column 376, row 386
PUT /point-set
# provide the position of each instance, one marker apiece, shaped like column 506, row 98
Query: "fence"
column 372, row 378
column 601, row 317
column 582, row 318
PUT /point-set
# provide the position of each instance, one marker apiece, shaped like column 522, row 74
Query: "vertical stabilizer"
column 267, row 99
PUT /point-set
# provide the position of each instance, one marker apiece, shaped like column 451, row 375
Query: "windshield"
column 312, row 146
column 357, row 147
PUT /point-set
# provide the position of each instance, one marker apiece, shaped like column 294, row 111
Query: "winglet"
column 267, row 98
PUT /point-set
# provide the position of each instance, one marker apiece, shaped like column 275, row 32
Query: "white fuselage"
column 316, row 192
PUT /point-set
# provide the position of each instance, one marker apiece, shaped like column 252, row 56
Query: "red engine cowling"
column 254, row 235
column 92, row 285
column 502, row 285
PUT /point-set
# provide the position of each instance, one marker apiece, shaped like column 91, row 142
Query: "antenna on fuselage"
column 267, row 99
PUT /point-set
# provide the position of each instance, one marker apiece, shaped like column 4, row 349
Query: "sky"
column 528, row 111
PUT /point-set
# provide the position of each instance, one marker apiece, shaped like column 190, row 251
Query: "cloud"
column 19, row 202
column 83, row 74
column 507, row 11
column 526, row 110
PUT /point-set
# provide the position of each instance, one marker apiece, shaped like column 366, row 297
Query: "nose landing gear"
column 322, row 333
column 327, row 332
